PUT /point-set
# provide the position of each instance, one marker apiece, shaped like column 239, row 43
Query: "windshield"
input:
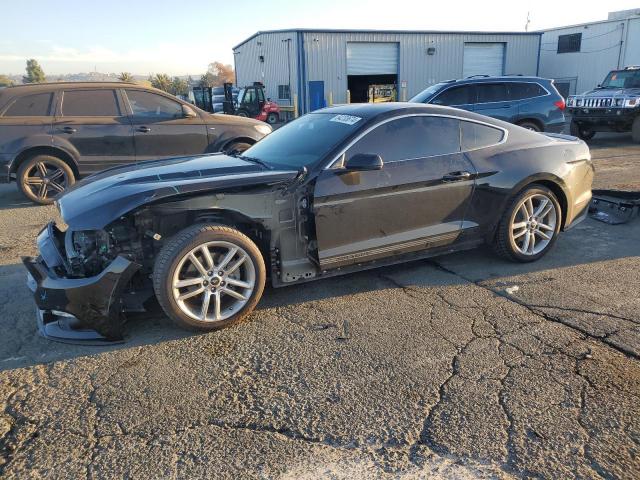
column 305, row 141
column 424, row 95
column 622, row 79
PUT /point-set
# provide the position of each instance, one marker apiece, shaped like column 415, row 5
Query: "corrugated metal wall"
column 325, row 56
column 274, row 70
column 600, row 52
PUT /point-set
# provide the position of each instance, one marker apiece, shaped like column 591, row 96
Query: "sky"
column 179, row 38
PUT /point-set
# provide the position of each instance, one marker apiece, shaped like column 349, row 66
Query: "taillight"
column 560, row 104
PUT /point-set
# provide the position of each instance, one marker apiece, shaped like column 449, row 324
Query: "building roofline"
column 596, row 22
column 417, row 32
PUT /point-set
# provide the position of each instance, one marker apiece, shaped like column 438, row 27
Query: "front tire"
column 237, row 147
column 530, row 226
column 581, row 132
column 43, row 177
column 272, row 118
column 635, row 130
column 208, row 277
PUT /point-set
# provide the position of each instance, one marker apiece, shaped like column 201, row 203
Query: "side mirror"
column 364, row 161
column 187, row 112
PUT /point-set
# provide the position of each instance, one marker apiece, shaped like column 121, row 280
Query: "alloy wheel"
column 213, row 281
column 45, row 179
column 534, row 224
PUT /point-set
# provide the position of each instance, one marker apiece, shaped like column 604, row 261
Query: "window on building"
column 38, row 105
column 90, row 103
column 410, row 138
column 150, row 105
column 569, row 43
column 519, row 91
column 475, row 135
column 284, row 92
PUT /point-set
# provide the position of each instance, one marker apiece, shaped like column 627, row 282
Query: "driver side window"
column 410, row 138
column 152, row 106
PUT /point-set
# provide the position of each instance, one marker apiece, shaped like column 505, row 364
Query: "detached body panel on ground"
column 336, row 191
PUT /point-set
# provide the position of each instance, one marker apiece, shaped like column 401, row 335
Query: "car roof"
column 373, row 111
column 49, row 86
column 501, row 78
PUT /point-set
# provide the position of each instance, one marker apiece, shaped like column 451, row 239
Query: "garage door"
column 483, row 59
column 372, row 58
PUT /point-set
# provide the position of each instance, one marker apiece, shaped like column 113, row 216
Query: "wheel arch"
column 533, row 120
column 231, row 141
column 227, row 217
column 553, row 183
column 45, row 150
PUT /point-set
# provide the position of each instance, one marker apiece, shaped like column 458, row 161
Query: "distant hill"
column 94, row 77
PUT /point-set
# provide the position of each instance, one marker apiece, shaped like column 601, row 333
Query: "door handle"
column 144, row 129
column 68, row 130
column 456, row 176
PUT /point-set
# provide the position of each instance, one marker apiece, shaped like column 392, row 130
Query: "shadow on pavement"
column 589, row 243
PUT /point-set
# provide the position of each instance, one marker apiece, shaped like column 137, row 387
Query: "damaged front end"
column 79, row 282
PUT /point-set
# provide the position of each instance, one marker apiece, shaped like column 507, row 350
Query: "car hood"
column 100, row 199
column 612, row 92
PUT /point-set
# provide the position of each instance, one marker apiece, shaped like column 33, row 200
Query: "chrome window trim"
column 333, row 164
column 488, row 103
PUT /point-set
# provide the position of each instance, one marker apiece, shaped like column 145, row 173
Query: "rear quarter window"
column 520, row 91
column 36, row 105
column 476, row 135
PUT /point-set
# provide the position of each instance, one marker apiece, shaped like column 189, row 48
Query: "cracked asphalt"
column 463, row 366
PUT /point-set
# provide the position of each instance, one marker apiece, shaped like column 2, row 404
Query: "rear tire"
column 530, row 225
column 42, row 178
column 635, row 130
column 208, row 291
column 272, row 118
column 530, row 126
column 580, row 132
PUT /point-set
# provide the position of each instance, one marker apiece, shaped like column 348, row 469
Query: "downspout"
column 622, row 43
column 539, row 50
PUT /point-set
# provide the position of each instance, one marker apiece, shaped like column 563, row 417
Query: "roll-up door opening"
column 372, row 71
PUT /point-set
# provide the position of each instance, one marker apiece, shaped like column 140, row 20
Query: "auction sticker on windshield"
column 346, row 119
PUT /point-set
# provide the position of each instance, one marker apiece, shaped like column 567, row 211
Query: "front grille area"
column 597, row 102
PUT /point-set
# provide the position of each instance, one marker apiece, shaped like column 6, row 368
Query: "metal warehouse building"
column 579, row 57
column 314, row 68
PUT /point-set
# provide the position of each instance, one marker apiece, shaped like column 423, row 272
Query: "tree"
column 179, row 86
column 5, row 81
column 125, row 77
column 161, row 81
column 217, row 74
column 223, row 73
column 35, row 74
column 208, row 80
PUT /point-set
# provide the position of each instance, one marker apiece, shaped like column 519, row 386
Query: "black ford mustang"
column 338, row 190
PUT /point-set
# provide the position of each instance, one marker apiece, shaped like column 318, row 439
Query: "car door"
column 161, row 129
column 493, row 100
column 26, row 121
column 93, row 125
column 416, row 201
column 461, row 96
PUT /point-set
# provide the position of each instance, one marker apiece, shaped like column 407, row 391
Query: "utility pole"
column 526, row 25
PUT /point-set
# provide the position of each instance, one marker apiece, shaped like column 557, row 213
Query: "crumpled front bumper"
column 80, row 305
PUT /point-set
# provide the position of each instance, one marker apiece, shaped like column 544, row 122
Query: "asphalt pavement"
column 462, row 366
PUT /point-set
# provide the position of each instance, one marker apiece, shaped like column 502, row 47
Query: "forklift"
column 251, row 103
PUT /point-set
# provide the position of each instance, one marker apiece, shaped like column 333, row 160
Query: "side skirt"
column 461, row 245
